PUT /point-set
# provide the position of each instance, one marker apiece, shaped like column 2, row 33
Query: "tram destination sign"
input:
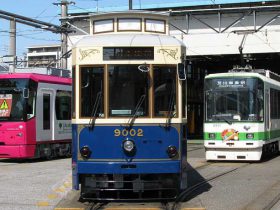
column 230, row 83
column 125, row 53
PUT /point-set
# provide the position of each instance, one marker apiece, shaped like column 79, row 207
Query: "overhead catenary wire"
column 86, row 10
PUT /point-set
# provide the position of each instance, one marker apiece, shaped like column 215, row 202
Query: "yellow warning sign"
column 4, row 105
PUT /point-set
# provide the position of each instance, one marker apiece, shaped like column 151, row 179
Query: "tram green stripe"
column 242, row 136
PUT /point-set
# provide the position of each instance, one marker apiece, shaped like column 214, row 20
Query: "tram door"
column 45, row 115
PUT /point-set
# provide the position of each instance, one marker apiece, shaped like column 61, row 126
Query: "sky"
column 43, row 10
column 38, row 9
column 46, row 11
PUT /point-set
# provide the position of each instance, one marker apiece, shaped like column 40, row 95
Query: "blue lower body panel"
column 109, row 173
column 129, row 167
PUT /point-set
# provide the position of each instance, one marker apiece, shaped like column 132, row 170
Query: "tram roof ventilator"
column 46, row 71
column 264, row 72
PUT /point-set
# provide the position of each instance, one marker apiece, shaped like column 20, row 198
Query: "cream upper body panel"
column 167, row 49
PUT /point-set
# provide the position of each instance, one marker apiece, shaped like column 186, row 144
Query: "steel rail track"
column 97, row 206
column 192, row 189
column 194, row 149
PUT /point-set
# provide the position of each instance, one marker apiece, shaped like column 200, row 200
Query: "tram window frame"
column 86, row 100
column 110, row 22
column 31, row 100
column 134, row 22
column 176, row 92
column 184, row 99
column 148, row 21
column 274, row 103
column 147, row 98
column 73, row 100
column 63, row 98
column 46, row 111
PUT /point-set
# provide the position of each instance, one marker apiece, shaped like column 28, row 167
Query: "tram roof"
column 128, row 40
column 38, row 78
column 49, row 75
column 260, row 73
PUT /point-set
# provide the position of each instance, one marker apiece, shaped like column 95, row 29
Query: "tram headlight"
column 172, row 151
column 249, row 136
column 85, row 152
column 129, row 147
column 20, row 134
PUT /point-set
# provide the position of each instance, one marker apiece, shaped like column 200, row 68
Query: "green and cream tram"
column 242, row 115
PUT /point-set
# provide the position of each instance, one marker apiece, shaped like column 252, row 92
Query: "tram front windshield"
column 17, row 99
column 234, row 99
column 124, row 91
column 128, row 90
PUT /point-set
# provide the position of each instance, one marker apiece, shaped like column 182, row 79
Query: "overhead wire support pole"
column 130, row 5
column 64, row 13
column 220, row 21
column 12, row 49
column 188, row 23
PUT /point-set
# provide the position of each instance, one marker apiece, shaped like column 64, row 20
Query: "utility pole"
column 64, row 13
column 12, row 49
column 130, row 5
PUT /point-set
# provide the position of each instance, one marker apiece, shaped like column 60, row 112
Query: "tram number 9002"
column 132, row 132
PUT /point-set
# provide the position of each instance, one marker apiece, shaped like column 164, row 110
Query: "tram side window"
column 165, row 91
column 31, row 101
column 46, row 111
column 128, row 89
column 92, row 79
column 73, row 92
column 31, row 104
column 275, row 104
column 63, row 105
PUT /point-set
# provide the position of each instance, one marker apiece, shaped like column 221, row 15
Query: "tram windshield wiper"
column 137, row 107
column 170, row 107
column 223, row 118
column 170, row 112
column 226, row 120
column 95, row 109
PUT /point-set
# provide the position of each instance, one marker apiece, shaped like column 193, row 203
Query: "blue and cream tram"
column 129, row 118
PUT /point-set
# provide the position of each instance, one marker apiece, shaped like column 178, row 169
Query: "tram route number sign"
column 5, row 105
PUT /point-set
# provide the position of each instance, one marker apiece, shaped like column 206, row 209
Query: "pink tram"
column 35, row 113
